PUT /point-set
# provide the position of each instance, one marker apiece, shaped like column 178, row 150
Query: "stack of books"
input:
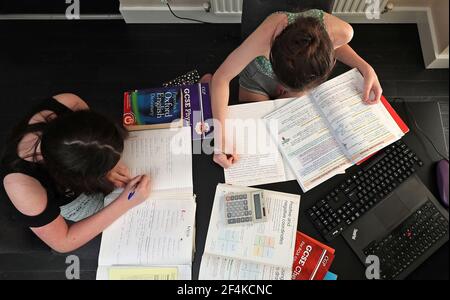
column 166, row 107
column 312, row 259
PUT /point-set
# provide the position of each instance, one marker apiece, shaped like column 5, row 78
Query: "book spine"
column 128, row 118
column 207, row 111
column 192, row 110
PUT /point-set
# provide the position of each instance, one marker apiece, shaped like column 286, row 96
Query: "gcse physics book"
column 154, row 240
column 322, row 134
column 259, row 251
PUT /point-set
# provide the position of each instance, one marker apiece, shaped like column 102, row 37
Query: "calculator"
column 245, row 208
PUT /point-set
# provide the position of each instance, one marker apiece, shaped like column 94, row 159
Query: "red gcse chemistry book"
column 312, row 259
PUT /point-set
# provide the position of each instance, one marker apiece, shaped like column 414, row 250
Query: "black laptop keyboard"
column 358, row 193
column 409, row 241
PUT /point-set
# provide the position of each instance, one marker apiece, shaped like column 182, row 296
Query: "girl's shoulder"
column 293, row 16
column 19, row 187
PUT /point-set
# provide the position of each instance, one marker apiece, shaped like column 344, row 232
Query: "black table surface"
column 346, row 265
column 207, row 175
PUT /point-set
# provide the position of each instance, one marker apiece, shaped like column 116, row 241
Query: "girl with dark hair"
column 286, row 56
column 60, row 151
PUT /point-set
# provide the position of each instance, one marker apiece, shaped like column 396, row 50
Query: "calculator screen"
column 257, row 205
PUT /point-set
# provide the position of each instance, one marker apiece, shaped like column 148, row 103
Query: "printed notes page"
column 165, row 155
column 226, row 268
column 260, row 161
column 261, row 248
column 361, row 129
column 307, row 143
column 157, row 232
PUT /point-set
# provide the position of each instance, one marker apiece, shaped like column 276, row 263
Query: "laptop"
column 401, row 232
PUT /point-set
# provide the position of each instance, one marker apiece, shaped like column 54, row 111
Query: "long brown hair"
column 302, row 56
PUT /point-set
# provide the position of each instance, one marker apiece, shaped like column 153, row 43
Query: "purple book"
column 197, row 111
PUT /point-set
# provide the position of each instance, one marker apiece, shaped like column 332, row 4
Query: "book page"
column 362, row 129
column 225, row 268
column 180, row 272
column 165, row 155
column 157, row 232
column 271, row 242
column 307, row 143
column 260, row 161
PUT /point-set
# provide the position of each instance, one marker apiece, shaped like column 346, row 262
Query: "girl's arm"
column 372, row 88
column 57, row 234
column 62, row 238
column 257, row 44
column 341, row 33
column 71, row 101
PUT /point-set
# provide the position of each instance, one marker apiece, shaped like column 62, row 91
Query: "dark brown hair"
column 302, row 56
column 80, row 148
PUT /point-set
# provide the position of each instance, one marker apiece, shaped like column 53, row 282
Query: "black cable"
column 184, row 18
column 420, row 130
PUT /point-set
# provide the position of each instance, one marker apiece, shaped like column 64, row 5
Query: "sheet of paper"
column 271, row 242
column 225, row 268
column 157, row 232
column 142, row 273
column 260, row 162
column 82, row 207
column 165, row 155
column 181, row 272
column 361, row 129
column 307, row 143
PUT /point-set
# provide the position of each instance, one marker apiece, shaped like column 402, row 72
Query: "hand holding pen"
column 137, row 190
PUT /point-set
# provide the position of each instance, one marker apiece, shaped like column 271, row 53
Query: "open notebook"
column 319, row 135
column 154, row 240
column 260, row 251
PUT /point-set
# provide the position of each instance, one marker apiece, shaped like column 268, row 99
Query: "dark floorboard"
column 98, row 60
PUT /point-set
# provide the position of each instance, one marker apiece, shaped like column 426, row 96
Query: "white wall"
column 439, row 10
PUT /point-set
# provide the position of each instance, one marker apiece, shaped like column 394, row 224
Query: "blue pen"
column 131, row 194
column 133, row 191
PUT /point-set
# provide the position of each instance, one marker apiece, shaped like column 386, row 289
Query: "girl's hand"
column 225, row 160
column 136, row 191
column 372, row 88
column 119, row 175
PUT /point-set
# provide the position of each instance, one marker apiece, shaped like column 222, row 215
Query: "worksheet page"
column 165, row 155
column 157, row 232
column 260, row 161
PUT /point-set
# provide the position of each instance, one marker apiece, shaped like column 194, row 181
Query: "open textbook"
column 260, row 251
column 154, row 240
column 324, row 133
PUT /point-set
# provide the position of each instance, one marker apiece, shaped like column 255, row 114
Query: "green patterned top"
column 262, row 63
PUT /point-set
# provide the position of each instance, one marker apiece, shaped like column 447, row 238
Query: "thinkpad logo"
column 355, row 234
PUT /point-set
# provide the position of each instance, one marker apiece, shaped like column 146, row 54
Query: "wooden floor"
column 98, row 60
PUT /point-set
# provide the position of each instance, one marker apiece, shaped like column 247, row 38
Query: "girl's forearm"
column 348, row 56
column 82, row 232
column 219, row 105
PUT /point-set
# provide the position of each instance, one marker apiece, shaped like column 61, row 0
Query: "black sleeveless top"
column 12, row 163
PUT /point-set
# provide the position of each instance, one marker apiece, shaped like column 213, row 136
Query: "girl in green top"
column 286, row 56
